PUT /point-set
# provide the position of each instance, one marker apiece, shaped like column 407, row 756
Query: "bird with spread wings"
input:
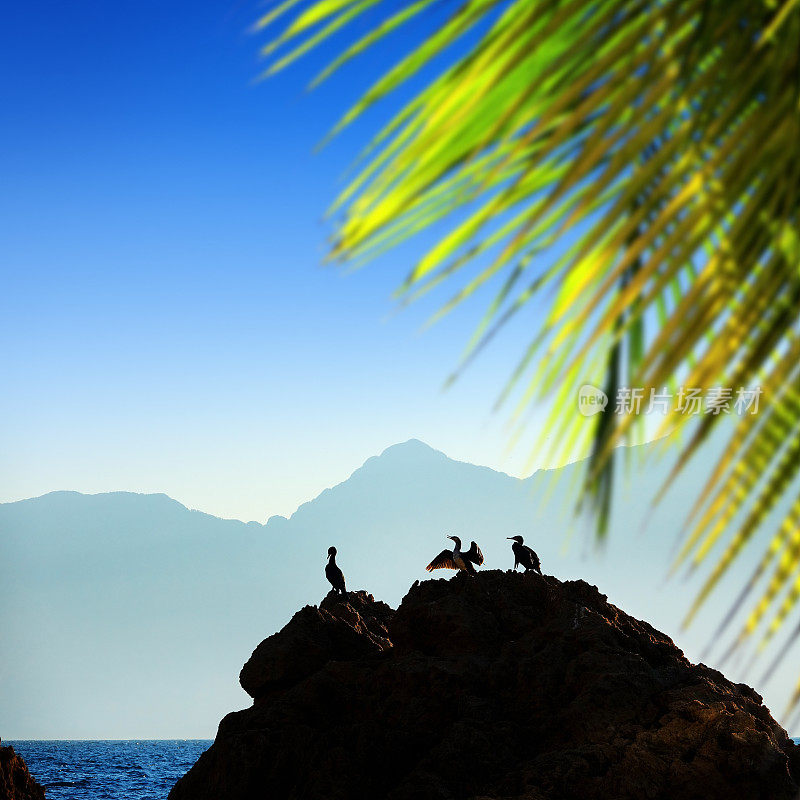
column 455, row 559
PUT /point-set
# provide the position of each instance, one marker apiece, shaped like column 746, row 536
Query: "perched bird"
column 524, row 555
column 334, row 574
column 455, row 559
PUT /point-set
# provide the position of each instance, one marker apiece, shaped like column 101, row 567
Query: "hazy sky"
column 165, row 321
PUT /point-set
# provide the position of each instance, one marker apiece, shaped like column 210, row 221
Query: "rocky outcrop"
column 16, row 782
column 500, row 686
column 334, row 632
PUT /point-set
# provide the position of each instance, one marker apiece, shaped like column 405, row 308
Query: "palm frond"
column 661, row 139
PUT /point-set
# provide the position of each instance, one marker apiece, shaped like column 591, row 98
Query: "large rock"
column 16, row 782
column 500, row 686
column 338, row 631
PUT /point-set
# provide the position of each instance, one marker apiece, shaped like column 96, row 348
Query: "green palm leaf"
column 662, row 139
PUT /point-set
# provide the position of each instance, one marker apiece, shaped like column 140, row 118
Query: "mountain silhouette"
column 125, row 615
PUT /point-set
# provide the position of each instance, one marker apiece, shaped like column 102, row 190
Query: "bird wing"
column 335, row 576
column 474, row 554
column 532, row 557
column 443, row 561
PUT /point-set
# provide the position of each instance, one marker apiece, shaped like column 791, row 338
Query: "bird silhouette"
column 523, row 555
column 455, row 559
column 334, row 574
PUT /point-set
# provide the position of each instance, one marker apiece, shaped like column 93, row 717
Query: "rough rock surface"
column 314, row 636
column 16, row 782
column 500, row 686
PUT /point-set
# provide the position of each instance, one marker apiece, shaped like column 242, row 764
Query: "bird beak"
column 509, row 537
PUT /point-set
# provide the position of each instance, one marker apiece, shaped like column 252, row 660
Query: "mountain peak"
column 415, row 446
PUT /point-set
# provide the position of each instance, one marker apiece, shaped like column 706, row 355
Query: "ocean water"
column 108, row 770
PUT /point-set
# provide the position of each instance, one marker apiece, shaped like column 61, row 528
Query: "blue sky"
column 166, row 322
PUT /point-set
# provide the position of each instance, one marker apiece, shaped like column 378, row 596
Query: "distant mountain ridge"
column 400, row 450
column 408, row 454
column 125, row 615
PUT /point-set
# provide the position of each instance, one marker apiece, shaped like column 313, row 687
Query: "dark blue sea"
column 133, row 770
column 130, row 770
